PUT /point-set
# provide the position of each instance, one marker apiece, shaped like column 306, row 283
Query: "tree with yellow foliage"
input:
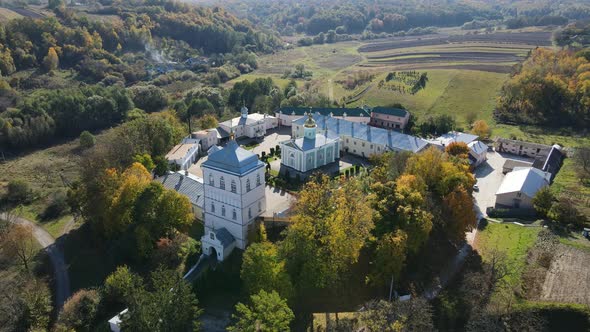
column 481, row 129
column 457, row 149
column 390, row 256
column 330, row 226
column 51, row 60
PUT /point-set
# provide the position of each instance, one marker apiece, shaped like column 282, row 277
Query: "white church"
column 234, row 190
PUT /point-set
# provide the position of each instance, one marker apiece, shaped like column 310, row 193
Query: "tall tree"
column 329, row 228
column 268, row 312
column 19, row 244
column 543, row 201
column 166, row 304
column 390, row 256
column 459, row 214
column 481, row 129
column 264, row 269
column 51, row 60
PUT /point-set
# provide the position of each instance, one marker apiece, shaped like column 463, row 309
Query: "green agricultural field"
column 455, row 92
column 513, row 240
column 456, row 86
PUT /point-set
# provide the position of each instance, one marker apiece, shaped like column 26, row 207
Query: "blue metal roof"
column 394, row 140
column 185, row 185
column 224, row 236
column 233, row 159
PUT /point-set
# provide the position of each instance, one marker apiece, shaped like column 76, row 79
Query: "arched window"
column 259, row 206
column 212, row 207
column 258, row 179
column 211, row 181
column 249, row 212
column 247, row 184
column 233, row 186
column 234, row 215
column 222, row 183
column 223, row 210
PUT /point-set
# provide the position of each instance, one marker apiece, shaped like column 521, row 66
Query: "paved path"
column 56, row 256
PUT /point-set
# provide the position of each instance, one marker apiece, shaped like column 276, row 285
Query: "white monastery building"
column 184, row 154
column 234, row 189
column 207, row 138
column 359, row 138
column 286, row 115
column 311, row 151
column 248, row 125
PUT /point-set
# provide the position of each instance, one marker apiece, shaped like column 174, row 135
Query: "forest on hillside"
column 69, row 72
column 352, row 17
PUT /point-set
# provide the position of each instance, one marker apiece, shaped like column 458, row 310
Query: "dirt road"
column 56, row 256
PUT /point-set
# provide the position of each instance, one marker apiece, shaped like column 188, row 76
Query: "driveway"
column 277, row 201
column 489, row 177
column 56, row 256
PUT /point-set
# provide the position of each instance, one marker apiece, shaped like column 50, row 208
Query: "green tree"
column 268, row 312
column 87, row 140
column 149, row 98
column 161, row 167
column 36, row 297
column 543, row 201
column 167, row 303
column 264, row 269
column 146, row 160
column 51, row 60
column 207, row 121
column 565, row 212
column 120, row 285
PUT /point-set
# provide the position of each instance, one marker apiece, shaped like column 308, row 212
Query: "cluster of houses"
column 526, row 176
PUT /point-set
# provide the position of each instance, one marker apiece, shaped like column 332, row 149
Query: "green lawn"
column 513, row 240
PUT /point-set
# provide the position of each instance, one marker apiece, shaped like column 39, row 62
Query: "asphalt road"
column 56, row 256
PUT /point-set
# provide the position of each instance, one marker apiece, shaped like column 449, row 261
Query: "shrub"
column 272, row 151
column 87, row 140
column 57, row 206
column 18, row 192
column 80, row 310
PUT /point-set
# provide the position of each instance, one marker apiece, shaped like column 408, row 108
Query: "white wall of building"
column 247, row 204
column 514, row 200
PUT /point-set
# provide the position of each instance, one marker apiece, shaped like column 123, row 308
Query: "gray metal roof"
column 336, row 111
column 394, row 140
column 527, row 180
column 233, row 159
column 478, row 147
column 185, row 185
column 224, row 236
